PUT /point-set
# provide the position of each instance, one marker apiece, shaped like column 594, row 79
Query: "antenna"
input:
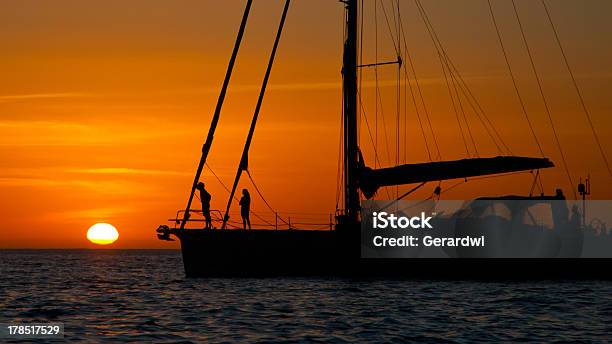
column 584, row 189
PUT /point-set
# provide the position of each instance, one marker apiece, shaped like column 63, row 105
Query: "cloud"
column 15, row 124
column 109, row 187
column 49, row 133
column 331, row 85
column 94, row 214
column 289, row 87
column 128, row 171
column 39, row 96
column 23, row 133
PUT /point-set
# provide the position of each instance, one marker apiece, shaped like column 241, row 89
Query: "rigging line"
column 419, row 203
column 418, row 116
column 391, row 27
column 378, row 101
column 500, row 175
column 382, row 4
column 360, row 61
column 541, row 184
column 261, row 195
column 454, row 186
column 409, row 192
column 471, row 99
column 399, row 104
column 450, row 93
column 484, row 122
column 399, row 29
column 226, row 188
column 400, row 130
column 397, row 117
column 397, row 131
column 378, row 98
column 467, row 124
column 535, row 183
column 418, row 86
column 398, row 85
column 405, row 120
column 399, row 91
column 403, row 196
column 587, row 113
column 455, row 75
column 384, row 123
column 475, row 105
column 340, row 160
column 365, row 117
column 395, row 24
column 466, row 180
column 514, row 82
column 376, row 76
column 262, row 219
column 406, row 80
column 219, row 180
column 343, row 123
column 445, row 60
column 376, row 155
column 456, row 78
column 548, row 112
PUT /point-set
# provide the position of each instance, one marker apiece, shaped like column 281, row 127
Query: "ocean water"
column 142, row 296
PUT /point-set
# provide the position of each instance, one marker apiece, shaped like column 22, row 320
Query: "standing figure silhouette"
column 205, row 197
column 245, row 205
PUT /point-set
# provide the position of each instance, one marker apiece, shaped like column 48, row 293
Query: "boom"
column 371, row 180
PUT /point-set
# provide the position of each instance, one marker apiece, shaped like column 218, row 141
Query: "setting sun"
column 102, row 234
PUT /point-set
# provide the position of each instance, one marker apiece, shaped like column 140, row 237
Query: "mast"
column 351, row 148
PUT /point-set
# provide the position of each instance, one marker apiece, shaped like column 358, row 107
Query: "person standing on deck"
column 245, row 205
column 205, row 197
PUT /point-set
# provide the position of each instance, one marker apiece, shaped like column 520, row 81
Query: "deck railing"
column 276, row 221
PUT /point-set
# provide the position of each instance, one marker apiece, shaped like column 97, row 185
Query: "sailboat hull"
column 258, row 253
column 264, row 253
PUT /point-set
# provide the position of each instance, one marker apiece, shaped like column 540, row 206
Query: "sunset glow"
column 101, row 121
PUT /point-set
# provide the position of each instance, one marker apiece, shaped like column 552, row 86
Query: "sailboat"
column 336, row 251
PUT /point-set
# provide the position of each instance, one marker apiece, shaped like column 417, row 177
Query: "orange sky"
column 104, row 107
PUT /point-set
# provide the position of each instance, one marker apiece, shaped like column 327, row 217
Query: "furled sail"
column 372, row 179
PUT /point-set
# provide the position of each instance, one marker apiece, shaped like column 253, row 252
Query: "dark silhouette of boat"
column 337, row 251
column 512, row 230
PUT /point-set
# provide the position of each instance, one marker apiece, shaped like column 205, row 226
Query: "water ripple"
column 142, row 296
